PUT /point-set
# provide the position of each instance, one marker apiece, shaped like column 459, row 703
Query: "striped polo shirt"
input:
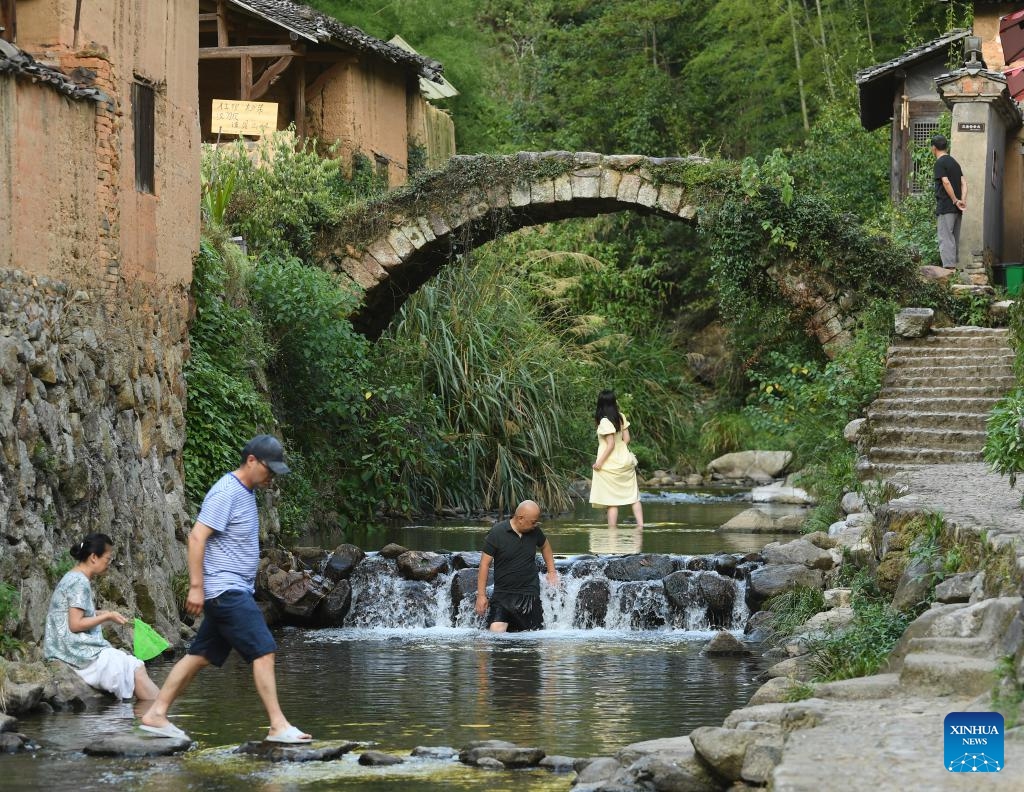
column 233, row 551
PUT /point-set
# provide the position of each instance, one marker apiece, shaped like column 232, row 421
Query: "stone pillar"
column 984, row 116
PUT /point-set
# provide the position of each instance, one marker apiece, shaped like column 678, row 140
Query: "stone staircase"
column 936, row 397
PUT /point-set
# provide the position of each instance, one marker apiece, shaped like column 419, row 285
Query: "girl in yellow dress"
column 614, row 483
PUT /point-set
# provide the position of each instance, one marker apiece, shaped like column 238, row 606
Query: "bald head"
column 526, row 517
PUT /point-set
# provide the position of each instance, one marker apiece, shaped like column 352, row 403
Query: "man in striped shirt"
column 223, row 555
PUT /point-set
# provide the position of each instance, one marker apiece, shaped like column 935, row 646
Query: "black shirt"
column 515, row 558
column 950, row 168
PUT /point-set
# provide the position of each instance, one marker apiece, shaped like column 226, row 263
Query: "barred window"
column 921, row 140
column 143, row 100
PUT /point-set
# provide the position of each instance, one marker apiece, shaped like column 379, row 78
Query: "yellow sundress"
column 615, row 483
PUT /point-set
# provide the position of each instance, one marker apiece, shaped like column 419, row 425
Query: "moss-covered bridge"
column 396, row 243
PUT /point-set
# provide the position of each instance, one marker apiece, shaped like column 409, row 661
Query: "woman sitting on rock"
column 73, row 628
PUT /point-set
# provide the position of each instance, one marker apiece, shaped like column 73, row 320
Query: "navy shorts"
column 529, row 617
column 232, row 620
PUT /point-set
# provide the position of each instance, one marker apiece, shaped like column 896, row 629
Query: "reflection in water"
column 622, row 539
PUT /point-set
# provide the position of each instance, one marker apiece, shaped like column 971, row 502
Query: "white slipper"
column 170, row 730
column 290, row 736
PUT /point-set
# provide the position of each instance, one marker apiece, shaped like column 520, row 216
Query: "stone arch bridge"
column 393, row 245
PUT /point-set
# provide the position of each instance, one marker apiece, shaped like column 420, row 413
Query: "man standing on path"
column 512, row 546
column 950, row 199
column 223, row 554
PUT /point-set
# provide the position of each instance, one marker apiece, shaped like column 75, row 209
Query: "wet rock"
column 758, row 626
column 644, row 603
column 311, row 557
column 416, row 604
column 587, row 566
column 718, row 595
column 790, row 523
column 781, row 493
column 393, row 550
column 422, row 565
column 334, row 607
column 666, row 764
column 379, row 759
column 130, row 745
column 724, row 564
column 310, row 752
column 8, row 723
column 466, row 560
column 12, row 742
column 296, row 593
column 509, row 754
column 698, row 564
column 679, row 589
column 645, row 566
column 489, row 763
column 592, row 604
column 602, row 768
column 750, row 521
column 343, row 560
column 434, row 752
column 767, row 581
column 725, row 644
column 799, row 551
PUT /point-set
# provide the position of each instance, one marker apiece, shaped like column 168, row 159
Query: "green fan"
column 148, row 642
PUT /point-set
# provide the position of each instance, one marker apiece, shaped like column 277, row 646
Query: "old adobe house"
column 332, row 81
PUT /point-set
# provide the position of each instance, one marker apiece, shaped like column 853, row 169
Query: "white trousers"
column 949, row 238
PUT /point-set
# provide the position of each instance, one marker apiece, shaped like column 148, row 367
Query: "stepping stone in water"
column 275, row 752
column 130, row 745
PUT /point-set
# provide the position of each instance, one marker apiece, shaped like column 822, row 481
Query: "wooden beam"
column 257, row 51
column 222, row 24
column 300, row 99
column 332, row 57
column 208, row 17
column 269, row 77
column 245, row 91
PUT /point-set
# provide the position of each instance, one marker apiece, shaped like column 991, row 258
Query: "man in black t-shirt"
column 512, row 545
column 950, row 200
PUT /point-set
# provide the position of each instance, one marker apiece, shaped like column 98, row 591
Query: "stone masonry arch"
column 393, row 245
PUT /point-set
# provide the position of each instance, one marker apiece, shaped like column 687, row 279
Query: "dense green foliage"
column 1004, row 441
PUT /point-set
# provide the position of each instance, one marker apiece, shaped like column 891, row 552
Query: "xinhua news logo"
column 973, row 742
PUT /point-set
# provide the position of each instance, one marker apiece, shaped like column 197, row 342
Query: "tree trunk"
column 799, row 72
column 824, row 53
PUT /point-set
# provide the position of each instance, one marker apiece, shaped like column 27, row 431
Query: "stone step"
column 883, row 470
column 924, row 419
column 968, row 398
column 967, row 372
column 980, row 646
column 950, row 361
column 948, row 674
column 935, row 439
column 922, row 456
column 968, row 331
column 950, row 351
column 944, row 380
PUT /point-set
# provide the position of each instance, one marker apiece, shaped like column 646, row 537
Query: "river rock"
column 773, row 579
column 591, row 604
column 8, row 723
column 416, row 605
column 434, row 752
column 914, row 322
column 760, row 466
column 466, row 560
column 334, row 607
column 12, row 742
column 719, row 596
column 799, row 551
column 750, row 521
column 309, row 752
column 646, row 566
column 343, row 560
column 311, row 557
column 669, row 763
column 21, row 697
column 761, row 759
column 644, row 604
column 697, row 563
column 853, row 503
column 724, row 564
column 758, row 626
column 723, row 749
column 587, row 566
column 725, row 644
column 130, row 745
column 296, row 593
column 379, row 759
column 393, row 550
column 781, row 493
column 558, row 765
column 422, row 565
column 509, row 754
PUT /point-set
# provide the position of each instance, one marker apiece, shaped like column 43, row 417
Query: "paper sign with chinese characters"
column 243, row 118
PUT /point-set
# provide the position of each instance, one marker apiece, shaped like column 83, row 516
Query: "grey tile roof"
column 911, row 56
column 19, row 63
column 314, row 26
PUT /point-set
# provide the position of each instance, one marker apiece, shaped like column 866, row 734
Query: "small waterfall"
column 636, row 592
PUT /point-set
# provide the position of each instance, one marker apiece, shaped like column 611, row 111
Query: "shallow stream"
column 570, row 692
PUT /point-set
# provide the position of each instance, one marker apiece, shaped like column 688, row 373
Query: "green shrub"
column 860, row 648
column 1004, row 438
column 792, row 608
column 9, row 599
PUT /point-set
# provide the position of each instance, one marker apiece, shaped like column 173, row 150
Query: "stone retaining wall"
column 92, row 429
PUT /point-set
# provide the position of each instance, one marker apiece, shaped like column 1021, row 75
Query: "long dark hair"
column 608, row 408
column 93, row 543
